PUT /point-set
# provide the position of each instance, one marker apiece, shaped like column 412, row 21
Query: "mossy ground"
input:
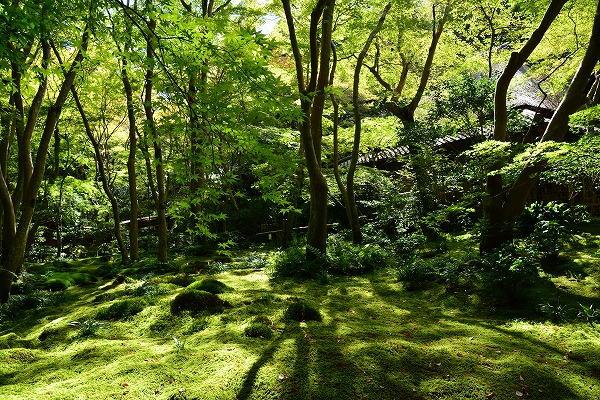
column 376, row 341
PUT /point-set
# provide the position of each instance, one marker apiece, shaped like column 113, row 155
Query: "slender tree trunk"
column 348, row 190
column 134, row 250
column 105, row 183
column 161, row 204
column 34, row 172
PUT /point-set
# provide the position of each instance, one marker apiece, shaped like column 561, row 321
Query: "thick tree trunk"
column 312, row 112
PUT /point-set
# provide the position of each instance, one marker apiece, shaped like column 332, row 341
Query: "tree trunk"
column 161, row 204
column 312, row 103
column 32, row 174
column 104, row 179
column 504, row 204
column 134, row 250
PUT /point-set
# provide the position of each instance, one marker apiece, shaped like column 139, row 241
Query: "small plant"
column 196, row 301
column 179, row 345
column 209, row 285
column 216, row 267
column 590, row 314
column 257, row 329
column 122, row 310
column 87, row 328
column 555, row 312
column 302, row 311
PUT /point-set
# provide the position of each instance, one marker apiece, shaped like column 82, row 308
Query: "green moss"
column 302, row 311
column 258, row 329
column 209, row 285
column 122, row 309
column 197, row 301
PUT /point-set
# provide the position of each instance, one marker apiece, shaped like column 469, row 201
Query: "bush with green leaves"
column 548, row 226
column 122, row 309
column 300, row 311
column 505, row 275
column 416, row 273
column 209, row 285
column 346, row 258
column 196, row 301
column 293, row 263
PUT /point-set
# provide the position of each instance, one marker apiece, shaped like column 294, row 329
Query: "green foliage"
column 293, row 263
column 505, row 275
column 346, row 258
column 197, row 301
column 87, row 328
column 209, row 285
column 588, row 117
column 257, row 329
column 557, row 312
column 548, row 225
column 37, row 299
column 589, row 314
column 300, row 311
column 465, row 102
column 122, row 310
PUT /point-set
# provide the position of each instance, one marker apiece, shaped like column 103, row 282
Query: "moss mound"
column 180, row 280
column 258, row 329
column 209, row 285
column 302, row 311
column 121, row 310
column 197, row 301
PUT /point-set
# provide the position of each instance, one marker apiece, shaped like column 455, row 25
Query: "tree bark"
column 134, row 250
column 504, row 204
column 312, row 99
column 150, row 126
column 32, row 174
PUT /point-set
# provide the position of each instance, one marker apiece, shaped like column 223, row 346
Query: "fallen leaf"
column 124, row 384
column 369, row 380
column 281, row 377
column 541, row 389
column 171, row 381
column 520, row 394
column 293, row 389
column 490, row 395
column 521, row 378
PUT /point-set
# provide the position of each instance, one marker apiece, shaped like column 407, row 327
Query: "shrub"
column 196, row 301
column 148, row 289
column 258, row 329
column 346, row 258
column 416, row 273
column 122, row 309
column 302, row 311
column 209, row 285
column 504, row 274
column 293, row 263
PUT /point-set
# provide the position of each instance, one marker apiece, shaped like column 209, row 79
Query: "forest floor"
column 376, row 340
